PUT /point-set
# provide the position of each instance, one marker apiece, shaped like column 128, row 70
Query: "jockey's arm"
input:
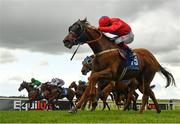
column 112, row 28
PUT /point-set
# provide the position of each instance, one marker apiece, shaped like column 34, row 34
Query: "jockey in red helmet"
column 120, row 28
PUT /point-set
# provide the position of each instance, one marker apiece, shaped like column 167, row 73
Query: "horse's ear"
column 84, row 20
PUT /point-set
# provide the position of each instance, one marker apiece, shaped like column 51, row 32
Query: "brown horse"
column 125, row 88
column 79, row 90
column 108, row 64
column 33, row 93
column 78, row 93
column 73, row 85
column 51, row 93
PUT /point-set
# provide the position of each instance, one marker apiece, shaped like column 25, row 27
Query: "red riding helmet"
column 104, row 21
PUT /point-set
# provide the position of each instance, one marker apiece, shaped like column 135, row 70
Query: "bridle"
column 82, row 35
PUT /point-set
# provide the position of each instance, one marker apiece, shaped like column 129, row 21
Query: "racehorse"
column 79, row 90
column 33, row 93
column 108, row 64
column 73, row 85
column 51, row 93
column 122, row 88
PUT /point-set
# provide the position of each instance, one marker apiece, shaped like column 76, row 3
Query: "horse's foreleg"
column 30, row 105
column 105, row 74
column 112, row 97
column 23, row 105
column 106, row 92
column 130, row 98
column 84, row 104
column 81, row 101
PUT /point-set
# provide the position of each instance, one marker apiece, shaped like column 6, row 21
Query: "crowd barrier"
column 16, row 103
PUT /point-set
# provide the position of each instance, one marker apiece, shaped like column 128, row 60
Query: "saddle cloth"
column 131, row 61
column 63, row 91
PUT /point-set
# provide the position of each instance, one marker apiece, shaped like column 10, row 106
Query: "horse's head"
column 73, row 85
column 87, row 64
column 23, row 85
column 80, row 90
column 77, row 34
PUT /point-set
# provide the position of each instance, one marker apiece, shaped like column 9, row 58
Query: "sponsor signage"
column 10, row 104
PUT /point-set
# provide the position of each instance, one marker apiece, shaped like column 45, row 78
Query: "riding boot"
column 60, row 89
column 129, row 53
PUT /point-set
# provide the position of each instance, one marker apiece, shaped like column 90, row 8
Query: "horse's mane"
column 87, row 24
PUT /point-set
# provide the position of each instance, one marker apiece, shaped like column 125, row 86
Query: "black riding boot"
column 60, row 89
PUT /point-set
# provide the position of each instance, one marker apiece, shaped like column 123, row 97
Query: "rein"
column 91, row 41
column 106, row 51
column 75, row 52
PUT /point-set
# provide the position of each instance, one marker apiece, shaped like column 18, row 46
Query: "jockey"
column 80, row 82
column 58, row 82
column 35, row 83
column 121, row 29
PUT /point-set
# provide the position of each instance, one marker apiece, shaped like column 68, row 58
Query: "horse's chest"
column 98, row 66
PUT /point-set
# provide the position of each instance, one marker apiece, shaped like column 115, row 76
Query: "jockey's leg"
column 123, row 40
column 127, row 39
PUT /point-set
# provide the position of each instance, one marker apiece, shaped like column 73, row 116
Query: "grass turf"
column 113, row 116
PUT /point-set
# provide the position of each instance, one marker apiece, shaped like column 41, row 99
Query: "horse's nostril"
column 64, row 41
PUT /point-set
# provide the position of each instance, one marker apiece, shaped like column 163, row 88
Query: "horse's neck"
column 100, row 45
column 29, row 89
column 75, row 87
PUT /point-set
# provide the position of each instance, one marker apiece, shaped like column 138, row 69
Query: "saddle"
column 62, row 91
column 131, row 60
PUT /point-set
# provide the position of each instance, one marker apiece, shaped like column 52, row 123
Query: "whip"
column 75, row 52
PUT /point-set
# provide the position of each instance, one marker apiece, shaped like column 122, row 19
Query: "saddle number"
column 135, row 61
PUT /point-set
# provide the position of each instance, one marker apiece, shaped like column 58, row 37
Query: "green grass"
column 113, row 116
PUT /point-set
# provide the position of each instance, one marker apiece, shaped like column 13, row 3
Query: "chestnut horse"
column 126, row 88
column 108, row 64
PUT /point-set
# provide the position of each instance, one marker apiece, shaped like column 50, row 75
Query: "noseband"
column 82, row 36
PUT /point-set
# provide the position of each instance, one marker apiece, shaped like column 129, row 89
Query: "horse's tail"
column 168, row 76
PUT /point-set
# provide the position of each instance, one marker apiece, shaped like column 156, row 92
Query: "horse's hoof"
column 125, row 109
column 83, row 108
column 141, row 112
column 135, row 109
column 73, row 110
column 92, row 110
column 158, row 111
